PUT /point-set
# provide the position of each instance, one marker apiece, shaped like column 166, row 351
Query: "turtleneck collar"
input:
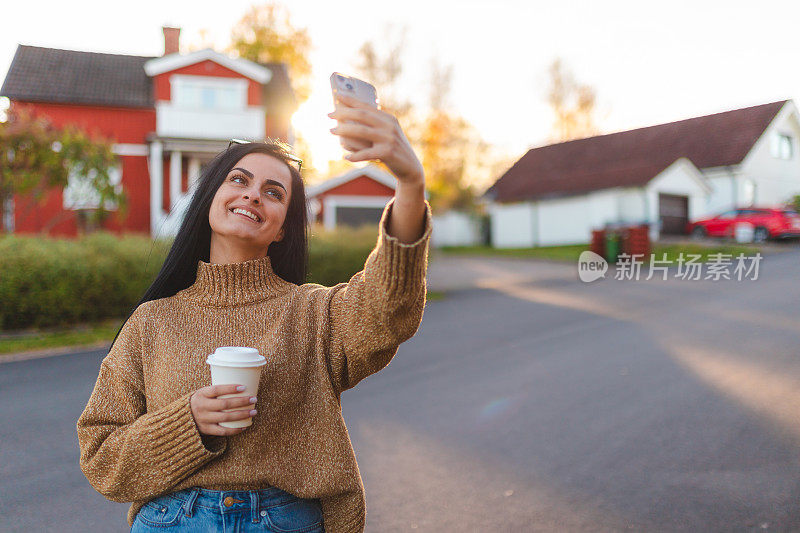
column 235, row 283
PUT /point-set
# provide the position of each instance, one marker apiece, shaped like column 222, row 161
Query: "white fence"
column 455, row 228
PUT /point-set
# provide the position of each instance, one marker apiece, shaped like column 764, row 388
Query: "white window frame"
column 782, row 146
column 179, row 83
column 80, row 194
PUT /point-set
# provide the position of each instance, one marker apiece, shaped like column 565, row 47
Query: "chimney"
column 171, row 40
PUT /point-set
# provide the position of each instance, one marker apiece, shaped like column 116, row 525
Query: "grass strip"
column 77, row 335
column 571, row 253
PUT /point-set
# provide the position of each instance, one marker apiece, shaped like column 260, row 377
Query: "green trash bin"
column 612, row 246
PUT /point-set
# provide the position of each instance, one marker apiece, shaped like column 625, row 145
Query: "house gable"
column 786, row 122
column 361, row 186
column 766, row 176
column 174, row 62
column 686, row 168
column 632, row 158
column 203, row 70
column 368, row 180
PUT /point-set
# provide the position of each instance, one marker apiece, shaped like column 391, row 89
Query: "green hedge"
column 335, row 255
column 54, row 282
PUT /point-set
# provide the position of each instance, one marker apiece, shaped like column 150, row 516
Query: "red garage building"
column 167, row 116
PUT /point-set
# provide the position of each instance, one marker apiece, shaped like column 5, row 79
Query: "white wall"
column 571, row 220
column 562, row 221
column 681, row 178
column 455, row 228
column 776, row 179
column 631, row 206
column 174, row 121
column 512, row 225
column 724, row 181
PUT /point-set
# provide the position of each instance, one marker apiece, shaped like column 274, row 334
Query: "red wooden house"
column 167, row 116
column 351, row 199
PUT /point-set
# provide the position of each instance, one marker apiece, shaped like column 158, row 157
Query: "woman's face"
column 261, row 185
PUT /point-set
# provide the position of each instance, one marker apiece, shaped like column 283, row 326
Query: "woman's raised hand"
column 207, row 409
column 376, row 134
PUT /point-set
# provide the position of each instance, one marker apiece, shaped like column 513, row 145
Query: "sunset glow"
column 312, row 124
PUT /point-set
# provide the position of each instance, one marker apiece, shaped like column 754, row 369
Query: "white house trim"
column 155, row 166
column 333, row 201
column 691, row 169
column 194, row 171
column 130, row 149
column 244, row 67
column 369, row 170
column 204, row 124
column 174, row 178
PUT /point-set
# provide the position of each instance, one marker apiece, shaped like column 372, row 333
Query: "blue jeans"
column 230, row 511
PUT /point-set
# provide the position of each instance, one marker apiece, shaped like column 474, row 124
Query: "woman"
column 150, row 433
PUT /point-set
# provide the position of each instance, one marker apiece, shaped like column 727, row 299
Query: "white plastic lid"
column 238, row 356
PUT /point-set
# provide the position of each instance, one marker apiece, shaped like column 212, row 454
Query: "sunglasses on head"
column 288, row 156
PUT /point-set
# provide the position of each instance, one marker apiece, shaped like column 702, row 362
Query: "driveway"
column 527, row 401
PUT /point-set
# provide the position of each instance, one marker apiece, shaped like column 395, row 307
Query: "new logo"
column 591, row 266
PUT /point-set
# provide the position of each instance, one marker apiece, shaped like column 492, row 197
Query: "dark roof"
column 633, row 158
column 68, row 76
column 72, row 77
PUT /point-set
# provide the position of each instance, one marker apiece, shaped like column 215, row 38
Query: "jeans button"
column 228, row 501
column 263, row 513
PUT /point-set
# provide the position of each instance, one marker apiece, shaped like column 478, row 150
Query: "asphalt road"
column 528, row 401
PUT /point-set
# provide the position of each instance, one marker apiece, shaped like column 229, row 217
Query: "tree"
column 265, row 34
column 453, row 154
column 572, row 103
column 36, row 157
column 383, row 70
column 450, row 147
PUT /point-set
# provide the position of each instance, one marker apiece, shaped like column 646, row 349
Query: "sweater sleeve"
column 126, row 452
column 379, row 308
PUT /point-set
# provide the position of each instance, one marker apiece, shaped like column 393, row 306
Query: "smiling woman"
column 151, row 432
column 249, row 209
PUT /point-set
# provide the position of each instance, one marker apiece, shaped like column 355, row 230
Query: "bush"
column 51, row 282
column 335, row 255
column 795, row 202
column 54, row 282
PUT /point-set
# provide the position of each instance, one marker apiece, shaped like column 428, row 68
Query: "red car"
column 768, row 223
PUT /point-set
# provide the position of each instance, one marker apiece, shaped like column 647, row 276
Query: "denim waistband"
column 232, row 501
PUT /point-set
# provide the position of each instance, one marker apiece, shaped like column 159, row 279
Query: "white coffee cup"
column 236, row 365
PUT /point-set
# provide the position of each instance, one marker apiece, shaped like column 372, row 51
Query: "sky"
column 649, row 62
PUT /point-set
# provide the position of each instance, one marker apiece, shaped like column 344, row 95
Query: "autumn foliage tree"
column 383, row 69
column 573, row 104
column 265, row 34
column 36, row 157
column 449, row 147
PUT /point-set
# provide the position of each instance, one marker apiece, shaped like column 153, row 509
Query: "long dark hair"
column 289, row 256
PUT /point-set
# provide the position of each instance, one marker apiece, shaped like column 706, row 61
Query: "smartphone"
column 354, row 87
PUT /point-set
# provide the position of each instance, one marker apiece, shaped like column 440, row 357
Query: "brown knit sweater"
column 137, row 437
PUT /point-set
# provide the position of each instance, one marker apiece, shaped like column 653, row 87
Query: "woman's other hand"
column 376, row 134
column 207, row 409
